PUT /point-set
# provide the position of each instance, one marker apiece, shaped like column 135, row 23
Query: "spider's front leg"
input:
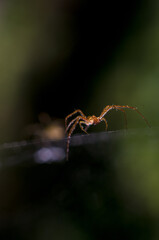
column 105, row 110
column 120, row 108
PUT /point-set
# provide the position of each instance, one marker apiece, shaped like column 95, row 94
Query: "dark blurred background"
column 58, row 56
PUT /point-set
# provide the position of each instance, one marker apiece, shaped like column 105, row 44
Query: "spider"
column 81, row 119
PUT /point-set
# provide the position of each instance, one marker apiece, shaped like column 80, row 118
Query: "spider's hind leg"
column 74, row 123
column 71, row 114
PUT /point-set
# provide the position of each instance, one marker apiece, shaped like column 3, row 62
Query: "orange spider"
column 93, row 120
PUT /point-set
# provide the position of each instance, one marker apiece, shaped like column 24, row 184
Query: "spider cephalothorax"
column 81, row 119
column 93, row 120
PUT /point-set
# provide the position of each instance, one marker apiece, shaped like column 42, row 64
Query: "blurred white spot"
column 48, row 155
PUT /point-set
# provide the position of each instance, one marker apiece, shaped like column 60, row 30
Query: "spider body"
column 92, row 120
column 81, row 119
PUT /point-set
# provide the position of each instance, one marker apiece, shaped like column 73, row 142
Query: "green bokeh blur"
column 133, row 76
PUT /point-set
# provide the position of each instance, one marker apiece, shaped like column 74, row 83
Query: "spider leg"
column 106, row 124
column 74, row 122
column 125, row 118
column 118, row 107
column 105, row 110
column 135, row 109
column 71, row 123
column 84, row 130
column 71, row 114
